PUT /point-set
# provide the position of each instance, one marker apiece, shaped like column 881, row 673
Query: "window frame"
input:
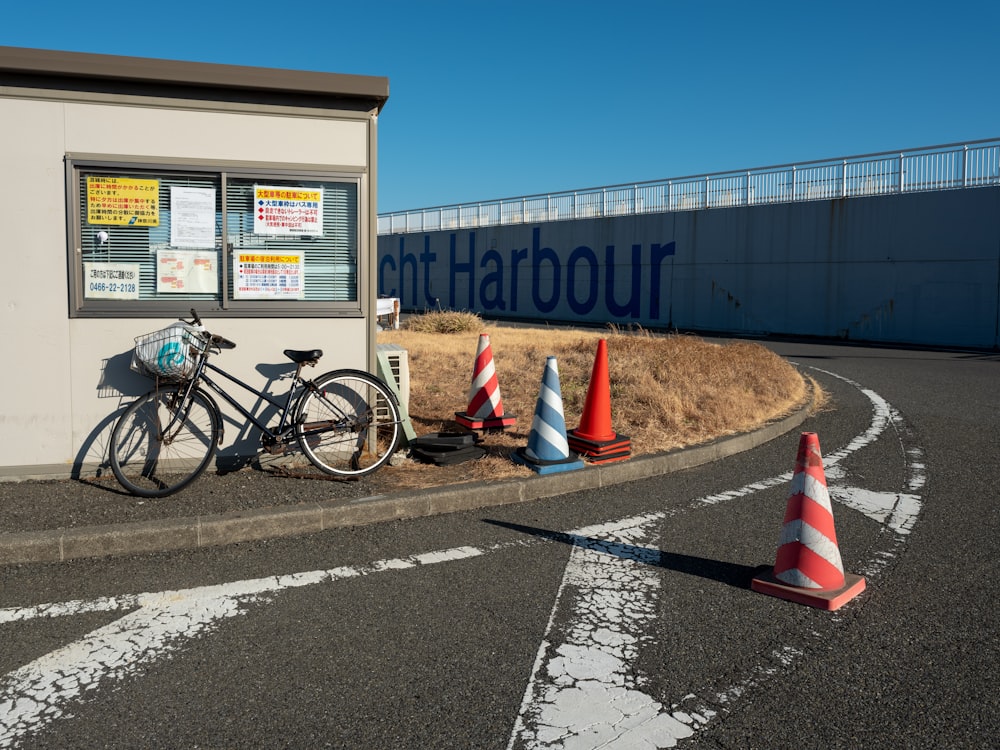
column 224, row 305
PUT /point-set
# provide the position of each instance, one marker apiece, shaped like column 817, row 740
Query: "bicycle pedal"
column 275, row 447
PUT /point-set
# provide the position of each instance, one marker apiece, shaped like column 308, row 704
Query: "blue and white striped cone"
column 548, row 450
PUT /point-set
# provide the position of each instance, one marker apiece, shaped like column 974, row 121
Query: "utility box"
column 399, row 364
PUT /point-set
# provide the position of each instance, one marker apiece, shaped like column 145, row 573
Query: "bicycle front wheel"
column 163, row 441
column 349, row 425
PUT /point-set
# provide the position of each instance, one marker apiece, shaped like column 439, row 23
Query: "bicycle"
column 346, row 422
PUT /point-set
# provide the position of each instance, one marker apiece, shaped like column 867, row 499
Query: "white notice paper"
column 187, row 271
column 192, row 217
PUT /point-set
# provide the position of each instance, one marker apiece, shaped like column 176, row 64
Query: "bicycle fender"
column 365, row 373
column 215, row 405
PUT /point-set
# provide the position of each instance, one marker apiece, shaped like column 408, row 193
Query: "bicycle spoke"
column 349, row 425
column 150, row 463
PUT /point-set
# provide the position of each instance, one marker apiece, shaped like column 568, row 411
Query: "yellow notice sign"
column 123, row 201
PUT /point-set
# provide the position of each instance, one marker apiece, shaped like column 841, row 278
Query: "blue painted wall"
column 920, row 268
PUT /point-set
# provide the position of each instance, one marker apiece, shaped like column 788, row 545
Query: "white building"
column 135, row 189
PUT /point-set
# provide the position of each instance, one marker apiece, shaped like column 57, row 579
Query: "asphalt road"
column 620, row 617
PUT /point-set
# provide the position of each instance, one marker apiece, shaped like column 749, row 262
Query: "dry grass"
column 445, row 321
column 666, row 391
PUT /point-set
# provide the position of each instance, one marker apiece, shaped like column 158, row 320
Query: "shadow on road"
column 731, row 574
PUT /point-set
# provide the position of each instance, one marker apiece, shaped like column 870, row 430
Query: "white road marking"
column 37, row 693
column 580, row 695
column 582, row 692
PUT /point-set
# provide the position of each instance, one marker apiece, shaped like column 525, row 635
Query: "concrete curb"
column 268, row 523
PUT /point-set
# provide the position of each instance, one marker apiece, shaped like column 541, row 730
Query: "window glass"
column 153, row 238
column 150, row 236
column 292, row 239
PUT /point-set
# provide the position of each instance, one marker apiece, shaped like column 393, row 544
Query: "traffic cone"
column 595, row 439
column 485, row 410
column 808, row 568
column 548, row 451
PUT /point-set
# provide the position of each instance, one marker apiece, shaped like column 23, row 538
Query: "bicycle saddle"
column 298, row 357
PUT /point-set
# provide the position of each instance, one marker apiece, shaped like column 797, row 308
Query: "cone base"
column 570, row 463
column 501, row 422
column 605, row 458
column 828, row 599
column 601, row 451
column 609, row 437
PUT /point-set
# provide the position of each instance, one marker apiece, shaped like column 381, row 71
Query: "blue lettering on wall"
column 427, row 257
column 457, row 268
column 586, row 254
column 404, row 261
column 612, row 290
column 540, row 255
column 630, row 308
column 657, row 255
column 386, row 261
column 516, row 256
column 491, row 288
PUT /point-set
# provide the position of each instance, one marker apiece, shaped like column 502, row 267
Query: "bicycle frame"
column 284, row 426
column 345, row 422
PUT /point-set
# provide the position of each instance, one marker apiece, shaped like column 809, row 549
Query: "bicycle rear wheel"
column 348, row 426
column 163, row 442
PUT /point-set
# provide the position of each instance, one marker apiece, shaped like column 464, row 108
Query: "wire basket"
column 169, row 354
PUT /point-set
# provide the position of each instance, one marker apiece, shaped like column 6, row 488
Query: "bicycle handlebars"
column 220, row 341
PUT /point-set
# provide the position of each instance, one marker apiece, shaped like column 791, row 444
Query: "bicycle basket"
column 169, row 354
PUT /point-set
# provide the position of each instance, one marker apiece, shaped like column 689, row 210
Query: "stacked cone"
column 485, row 410
column 595, row 439
column 808, row 568
column 548, row 450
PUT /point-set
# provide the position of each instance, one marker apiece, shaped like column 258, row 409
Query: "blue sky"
column 494, row 100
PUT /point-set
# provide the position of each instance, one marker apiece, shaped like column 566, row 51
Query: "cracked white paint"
column 39, row 693
column 579, row 694
column 589, row 697
column 583, row 692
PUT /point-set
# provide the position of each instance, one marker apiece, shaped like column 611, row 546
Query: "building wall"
column 921, row 268
column 65, row 380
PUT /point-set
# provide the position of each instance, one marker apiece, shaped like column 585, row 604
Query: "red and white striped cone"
column 808, row 568
column 485, row 411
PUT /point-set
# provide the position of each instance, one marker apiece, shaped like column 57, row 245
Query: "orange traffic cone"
column 808, row 568
column 595, row 439
column 485, row 410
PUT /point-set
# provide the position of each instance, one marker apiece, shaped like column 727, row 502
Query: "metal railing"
column 954, row 165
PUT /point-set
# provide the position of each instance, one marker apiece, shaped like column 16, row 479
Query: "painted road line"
column 40, row 692
column 587, row 658
column 582, row 692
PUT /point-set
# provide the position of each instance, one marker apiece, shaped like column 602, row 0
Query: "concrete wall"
column 920, row 269
column 64, row 380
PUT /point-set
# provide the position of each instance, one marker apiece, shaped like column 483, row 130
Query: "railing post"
column 933, row 168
